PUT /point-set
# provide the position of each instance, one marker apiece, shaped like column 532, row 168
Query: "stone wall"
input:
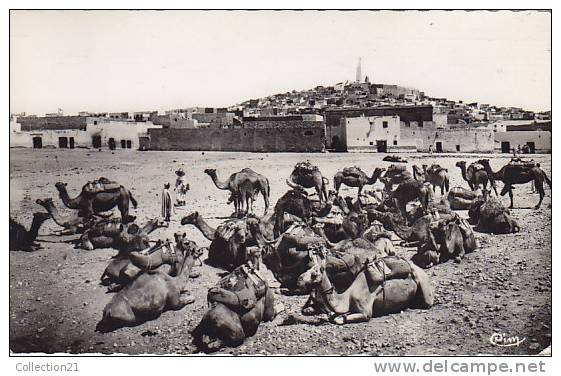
column 251, row 140
column 55, row 122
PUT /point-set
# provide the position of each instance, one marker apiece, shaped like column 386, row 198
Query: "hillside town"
column 354, row 115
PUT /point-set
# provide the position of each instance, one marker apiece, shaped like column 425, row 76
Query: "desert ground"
column 56, row 299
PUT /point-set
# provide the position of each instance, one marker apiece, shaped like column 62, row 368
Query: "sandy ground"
column 56, row 300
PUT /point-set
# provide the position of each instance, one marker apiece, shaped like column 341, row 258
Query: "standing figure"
column 181, row 187
column 167, row 206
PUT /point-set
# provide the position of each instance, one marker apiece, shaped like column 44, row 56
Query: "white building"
column 99, row 133
column 374, row 133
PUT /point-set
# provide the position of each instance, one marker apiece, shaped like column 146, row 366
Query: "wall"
column 335, row 130
column 363, row 132
column 542, row 139
column 470, row 140
column 56, row 122
column 252, row 140
column 274, row 123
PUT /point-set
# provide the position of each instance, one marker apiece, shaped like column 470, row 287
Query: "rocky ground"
column 56, row 300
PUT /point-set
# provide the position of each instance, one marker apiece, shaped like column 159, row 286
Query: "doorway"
column 382, row 146
column 63, row 142
column 123, row 144
column 111, row 143
column 37, row 142
column 531, row 147
column 439, row 147
column 71, row 142
column 505, row 147
column 96, row 141
column 129, row 144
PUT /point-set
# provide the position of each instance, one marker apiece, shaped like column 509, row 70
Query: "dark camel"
column 24, row 240
column 514, row 173
column 306, row 175
column 242, row 186
column 489, row 215
column 239, row 303
column 88, row 204
column 150, row 294
column 475, row 175
column 72, row 223
column 355, row 177
column 409, row 190
column 461, row 198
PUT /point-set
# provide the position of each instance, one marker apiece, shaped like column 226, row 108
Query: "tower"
column 358, row 71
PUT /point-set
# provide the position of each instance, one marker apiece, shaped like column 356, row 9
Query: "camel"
column 515, row 173
column 229, row 241
column 388, row 285
column 239, row 303
column 409, row 190
column 475, row 175
column 355, row 177
column 435, row 175
column 88, row 204
column 242, row 185
column 295, row 202
column 123, row 237
column 151, row 293
column 490, row 216
column 122, row 270
column 72, row 223
column 461, row 198
column 306, row 175
column 24, row 240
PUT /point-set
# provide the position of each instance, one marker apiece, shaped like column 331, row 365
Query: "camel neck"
column 219, row 184
column 71, row 203
column 55, row 215
column 204, row 227
column 463, row 169
column 34, row 230
column 182, row 277
column 338, row 303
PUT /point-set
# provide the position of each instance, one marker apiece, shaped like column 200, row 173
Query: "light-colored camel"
column 475, row 175
column 436, row 176
column 88, row 204
column 242, row 186
column 151, row 293
column 388, row 285
column 72, row 222
column 518, row 173
column 306, row 175
column 239, row 303
column 24, row 240
column 355, row 177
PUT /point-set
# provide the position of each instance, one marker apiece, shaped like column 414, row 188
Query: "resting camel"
column 24, row 240
column 475, row 175
column 72, row 223
column 490, row 216
column 435, row 175
column 409, row 190
column 306, row 175
column 123, row 237
column 297, row 203
column 461, row 198
column 242, row 185
column 518, row 173
column 122, row 270
column 239, row 303
column 151, row 293
column 88, row 204
column 355, row 177
column 388, row 285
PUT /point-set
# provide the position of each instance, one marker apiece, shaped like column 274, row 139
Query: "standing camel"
column 513, row 173
column 355, row 177
column 475, row 175
column 437, row 177
column 242, row 185
column 306, row 175
column 88, row 204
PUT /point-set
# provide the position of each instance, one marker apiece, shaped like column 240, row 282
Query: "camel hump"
column 353, row 172
column 305, row 168
column 100, row 185
column 239, row 290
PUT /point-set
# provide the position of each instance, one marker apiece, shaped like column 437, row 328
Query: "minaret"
column 358, row 72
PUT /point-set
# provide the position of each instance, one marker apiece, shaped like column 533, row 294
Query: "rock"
column 534, row 346
column 41, row 329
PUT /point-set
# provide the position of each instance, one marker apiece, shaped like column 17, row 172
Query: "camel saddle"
column 108, row 227
column 473, row 169
column 391, row 267
column 100, row 185
column 435, row 168
column 227, row 230
column 305, row 168
column 354, row 171
column 522, row 163
column 240, row 290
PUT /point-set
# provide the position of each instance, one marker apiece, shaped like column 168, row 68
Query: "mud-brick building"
column 335, row 123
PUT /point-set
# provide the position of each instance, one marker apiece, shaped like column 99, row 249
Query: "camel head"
column 461, row 164
column 378, row 172
column 44, row 203
column 61, row 186
column 188, row 247
column 190, row 219
column 485, row 163
column 313, row 276
column 210, row 171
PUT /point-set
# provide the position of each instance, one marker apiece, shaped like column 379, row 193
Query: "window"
column 95, row 122
column 395, row 142
column 384, row 124
column 371, row 143
column 420, row 124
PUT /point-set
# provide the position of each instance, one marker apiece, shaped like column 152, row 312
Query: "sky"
column 155, row 60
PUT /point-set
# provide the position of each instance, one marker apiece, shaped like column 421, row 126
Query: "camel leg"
column 539, row 187
column 350, row 318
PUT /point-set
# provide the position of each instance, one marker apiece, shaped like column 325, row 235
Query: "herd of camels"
column 339, row 251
